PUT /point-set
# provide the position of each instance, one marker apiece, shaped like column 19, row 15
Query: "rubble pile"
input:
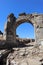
column 26, row 56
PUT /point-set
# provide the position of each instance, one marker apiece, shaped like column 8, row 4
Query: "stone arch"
column 23, row 19
column 14, row 22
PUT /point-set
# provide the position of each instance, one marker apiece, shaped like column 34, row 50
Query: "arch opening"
column 25, row 30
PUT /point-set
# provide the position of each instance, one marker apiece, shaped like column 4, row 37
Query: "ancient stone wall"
column 35, row 19
column 39, row 28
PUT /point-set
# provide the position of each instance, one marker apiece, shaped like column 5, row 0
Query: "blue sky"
column 16, row 7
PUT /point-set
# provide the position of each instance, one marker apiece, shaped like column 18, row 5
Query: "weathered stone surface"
column 35, row 19
column 26, row 55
